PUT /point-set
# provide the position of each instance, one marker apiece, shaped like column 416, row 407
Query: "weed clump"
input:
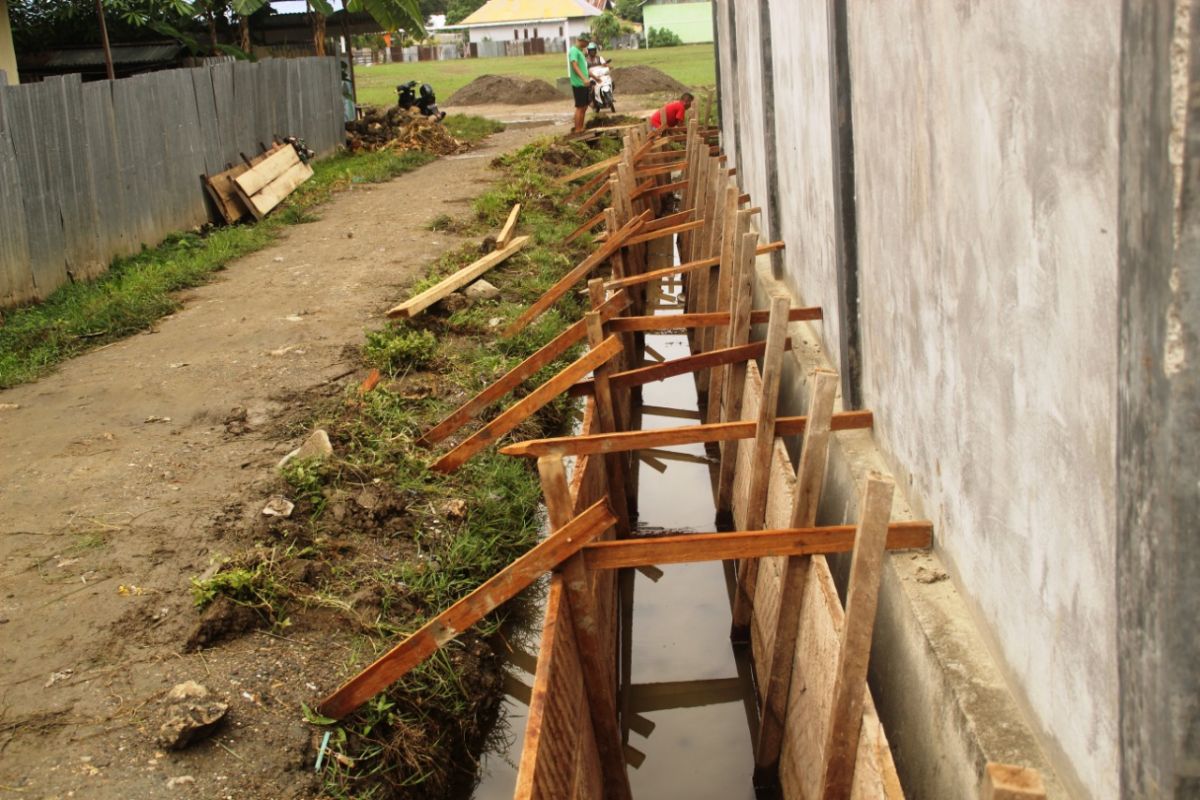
column 395, row 350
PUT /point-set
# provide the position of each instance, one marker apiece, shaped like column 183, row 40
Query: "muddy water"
column 685, row 697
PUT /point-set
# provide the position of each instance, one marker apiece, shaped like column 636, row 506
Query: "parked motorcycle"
column 602, row 87
column 425, row 101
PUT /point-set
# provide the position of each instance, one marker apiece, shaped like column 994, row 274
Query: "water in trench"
column 686, row 699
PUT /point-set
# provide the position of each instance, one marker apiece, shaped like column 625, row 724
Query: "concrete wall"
column 984, row 196
column 8, row 55
column 691, row 22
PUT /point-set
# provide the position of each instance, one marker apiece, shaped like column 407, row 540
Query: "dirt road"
column 118, row 472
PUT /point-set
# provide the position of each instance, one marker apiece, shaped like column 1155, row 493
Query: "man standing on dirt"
column 675, row 112
column 577, row 72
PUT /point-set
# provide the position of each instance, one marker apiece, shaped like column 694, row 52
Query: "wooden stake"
column 735, row 374
column 601, row 702
column 419, row 302
column 735, row 225
column 1010, row 782
column 862, row 595
column 691, row 266
column 585, row 227
column 521, row 410
column 760, row 461
column 396, row 663
column 810, row 477
column 607, row 419
column 669, row 437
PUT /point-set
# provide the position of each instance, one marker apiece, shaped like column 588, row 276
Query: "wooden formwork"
column 819, row 735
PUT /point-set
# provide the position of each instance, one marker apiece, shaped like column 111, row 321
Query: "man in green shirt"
column 577, row 71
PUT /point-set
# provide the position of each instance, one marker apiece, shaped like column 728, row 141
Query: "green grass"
column 470, row 128
column 140, row 289
column 691, row 64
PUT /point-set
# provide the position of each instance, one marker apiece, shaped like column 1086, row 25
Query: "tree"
column 392, row 15
column 41, row 24
column 605, row 28
column 458, row 10
column 630, row 10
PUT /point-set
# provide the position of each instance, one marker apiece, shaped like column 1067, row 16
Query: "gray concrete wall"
column 985, row 166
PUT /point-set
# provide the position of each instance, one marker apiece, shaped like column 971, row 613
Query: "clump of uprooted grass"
column 443, row 535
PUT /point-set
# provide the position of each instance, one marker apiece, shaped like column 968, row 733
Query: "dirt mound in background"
column 640, row 79
column 505, row 89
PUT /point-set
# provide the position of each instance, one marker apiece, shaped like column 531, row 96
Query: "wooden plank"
column 665, row 232
column 565, row 283
column 733, row 226
column 16, row 276
column 1011, row 782
column 590, row 186
column 661, row 169
column 862, row 595
column 640, row 376
column 626, row 441
column 254, row 180
column 664, row 411
column 810, row 477
column 277, row 190
column 583, row 172
column 523, row 408
column 693, row 547
column 493, row 593
column 691, row 266
column 596, row 196
column 585, row 227
column 518, row 374
column 587, row 624
column 423, row 300
column 655, row 190
column 510, row 227
column 760, row 460
column 534, row 756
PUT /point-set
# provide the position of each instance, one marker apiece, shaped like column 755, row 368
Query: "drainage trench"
column 688, row 711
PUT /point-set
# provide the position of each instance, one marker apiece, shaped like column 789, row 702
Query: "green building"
column 690, row 21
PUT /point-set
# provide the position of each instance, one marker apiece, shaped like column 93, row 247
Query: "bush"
column 661, row 37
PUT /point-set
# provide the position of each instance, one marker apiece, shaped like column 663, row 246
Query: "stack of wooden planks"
column 256, row 187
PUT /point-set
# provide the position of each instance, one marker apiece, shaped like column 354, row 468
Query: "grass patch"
column 138, row 290
column 471, row 128
column 693, row 65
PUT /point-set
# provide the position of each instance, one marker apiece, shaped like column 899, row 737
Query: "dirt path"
column 117, row 472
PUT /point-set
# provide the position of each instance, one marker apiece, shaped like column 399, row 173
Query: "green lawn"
column 690, row 64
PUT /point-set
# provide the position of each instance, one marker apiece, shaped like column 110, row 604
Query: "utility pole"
column 112, row 75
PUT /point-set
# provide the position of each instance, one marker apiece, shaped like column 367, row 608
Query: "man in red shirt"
column 675, row 111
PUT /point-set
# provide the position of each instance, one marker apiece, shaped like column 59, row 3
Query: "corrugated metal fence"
column 89, row 172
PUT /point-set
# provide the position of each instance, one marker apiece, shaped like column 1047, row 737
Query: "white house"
column 507, row 20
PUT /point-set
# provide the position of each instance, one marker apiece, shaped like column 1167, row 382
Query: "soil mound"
column 505, row 89
column 641, row 79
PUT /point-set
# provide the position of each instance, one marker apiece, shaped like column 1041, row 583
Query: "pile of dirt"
column 400, row 129
column 640, row 79
column 504, row 89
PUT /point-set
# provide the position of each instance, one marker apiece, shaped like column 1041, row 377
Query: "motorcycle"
column 602, row 87
column 423, row 99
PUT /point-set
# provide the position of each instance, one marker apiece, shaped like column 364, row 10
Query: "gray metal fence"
column 90, row 172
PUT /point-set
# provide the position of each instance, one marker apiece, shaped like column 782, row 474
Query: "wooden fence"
column 90, row 172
